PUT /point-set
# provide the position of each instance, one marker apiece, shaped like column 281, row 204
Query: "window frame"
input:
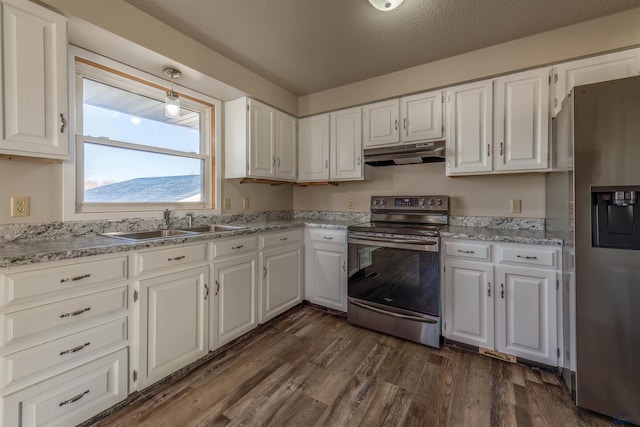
column 87, row 64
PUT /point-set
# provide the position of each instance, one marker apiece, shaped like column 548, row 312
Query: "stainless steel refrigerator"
column 593, row 199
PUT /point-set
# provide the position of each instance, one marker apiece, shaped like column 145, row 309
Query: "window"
column 129, row 156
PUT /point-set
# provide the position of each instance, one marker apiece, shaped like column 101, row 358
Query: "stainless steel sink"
column 213, row 228
column 149, row 234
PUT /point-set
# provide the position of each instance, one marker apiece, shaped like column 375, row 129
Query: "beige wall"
column 473, row 196
column 262, row 197
column 41, row 182
column 599, row 35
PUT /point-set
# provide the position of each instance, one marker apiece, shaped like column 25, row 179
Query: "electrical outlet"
column 227, row 203
column 245, row 203
column 516, row 206
column 20, row 206
column 352, row 204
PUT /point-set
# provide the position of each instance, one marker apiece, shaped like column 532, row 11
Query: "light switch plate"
column 20, row 206
column 245, row 203
column 516, row 206
column 352, row 204
column 227, row 203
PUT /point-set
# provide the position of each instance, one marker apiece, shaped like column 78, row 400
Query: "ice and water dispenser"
column 615, row 219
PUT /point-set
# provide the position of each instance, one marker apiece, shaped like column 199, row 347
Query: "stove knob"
column 439, row 202
column 430, row 202
column 382, row 202
column 423, row 202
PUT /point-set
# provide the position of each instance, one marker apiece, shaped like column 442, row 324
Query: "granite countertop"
column 501, row 235
column 31, row 251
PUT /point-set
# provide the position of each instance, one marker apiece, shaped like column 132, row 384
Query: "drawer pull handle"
column 237, row 247
column 217, row 287
column 466, row 252
column 75, row 349
column 75, row 279
column 177, row 258
column 74, row 398
column 527, row 257
column 74, row 313
column 328, row 238
column 283, row 239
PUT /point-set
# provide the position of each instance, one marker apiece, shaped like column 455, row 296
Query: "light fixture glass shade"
column 385, row 5
column 172, row 105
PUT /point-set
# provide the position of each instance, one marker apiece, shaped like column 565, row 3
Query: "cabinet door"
column 33, row 81
column 470, row 128
column 596, row 69
column 286, row 144
column 313, row 148
column 346, row 144
column 174, row 310
column 236, row 290
column 381, row 123
column 262, row 157
column 329, row 276
column 421, row 116
column 526, row 314
column 281, row 283
column 469, row 303
column 521, row 127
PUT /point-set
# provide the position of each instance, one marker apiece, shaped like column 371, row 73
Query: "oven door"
column 394, row 286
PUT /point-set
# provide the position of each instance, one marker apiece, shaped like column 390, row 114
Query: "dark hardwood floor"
column 310, row 368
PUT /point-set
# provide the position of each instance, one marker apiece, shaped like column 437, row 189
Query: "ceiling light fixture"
column 385, row 5
column 172, row 100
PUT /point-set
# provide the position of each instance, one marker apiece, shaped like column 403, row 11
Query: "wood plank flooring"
column 310, row 368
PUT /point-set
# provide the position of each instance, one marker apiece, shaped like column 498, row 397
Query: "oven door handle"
column 389, row 313
column 403, row 241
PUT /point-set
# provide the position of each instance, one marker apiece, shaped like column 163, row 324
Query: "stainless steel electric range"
column 394, row 267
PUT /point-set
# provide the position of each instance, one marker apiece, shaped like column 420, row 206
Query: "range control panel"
column 403, row 203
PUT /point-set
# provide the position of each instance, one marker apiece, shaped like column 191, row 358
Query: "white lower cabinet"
column 526, row 314
column 503, row 297
column 235, row 298
column 64, row 352
column 173, row 322
column 326, row 268
column 281, row 283
column 469, row 302
column 72, row 397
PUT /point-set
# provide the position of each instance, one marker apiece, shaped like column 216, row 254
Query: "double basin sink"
column 163, row 234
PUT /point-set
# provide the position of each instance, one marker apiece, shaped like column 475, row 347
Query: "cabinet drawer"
column 472, row 250
column 170, row 257
column 71, row 397
column 63, row 350
column 327, row 236
column 38, row 283
column 526, row 255
column 234, row 246
column 21, row 324
column 274, row 239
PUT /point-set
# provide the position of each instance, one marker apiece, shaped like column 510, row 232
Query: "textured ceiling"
column 306, row 46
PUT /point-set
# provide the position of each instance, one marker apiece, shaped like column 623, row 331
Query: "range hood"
column 421, row 152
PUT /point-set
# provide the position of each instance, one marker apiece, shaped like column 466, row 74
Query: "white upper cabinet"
column 260, row 142
column 421, row 117
column 346, row 144
column 313, row 148
column 499, row 125
column 33, row 81
column 596, row 69
column 262, row 137
column 381, row 123
column 330, row 147
column 411, row 118
column 286, row 146
column 470, row 128
column 521, row 126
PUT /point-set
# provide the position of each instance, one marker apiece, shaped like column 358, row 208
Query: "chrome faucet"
column 166, row 218
column 189, row 217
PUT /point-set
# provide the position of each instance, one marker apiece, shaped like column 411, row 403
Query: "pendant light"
column 172, row 100
column 385, row 5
